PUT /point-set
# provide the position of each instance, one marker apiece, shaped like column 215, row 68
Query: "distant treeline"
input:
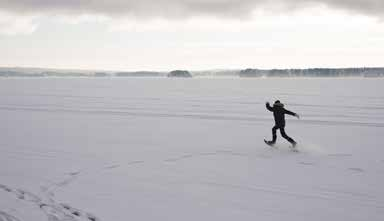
column 25, row 72
column 314, row 72
column 311, row 72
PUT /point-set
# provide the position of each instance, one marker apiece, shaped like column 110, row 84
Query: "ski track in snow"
column 324, row 195
column 185, row 115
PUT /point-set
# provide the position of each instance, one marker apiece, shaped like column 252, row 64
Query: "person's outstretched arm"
column 268, row 107
column 291, row 113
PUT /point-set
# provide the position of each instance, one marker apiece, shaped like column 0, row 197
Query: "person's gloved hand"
column 298, row 116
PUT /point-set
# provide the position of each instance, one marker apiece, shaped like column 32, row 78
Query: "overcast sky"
column 191, row 34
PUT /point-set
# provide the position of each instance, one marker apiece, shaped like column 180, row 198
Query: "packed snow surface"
column 189, row 149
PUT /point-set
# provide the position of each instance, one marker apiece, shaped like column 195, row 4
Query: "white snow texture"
column 189, row 149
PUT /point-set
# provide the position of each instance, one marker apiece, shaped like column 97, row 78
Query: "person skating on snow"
column 279, row 114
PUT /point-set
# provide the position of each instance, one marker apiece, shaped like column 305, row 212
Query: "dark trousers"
column 283, row 134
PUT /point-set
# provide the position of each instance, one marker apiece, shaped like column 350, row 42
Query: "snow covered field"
column 110, row 149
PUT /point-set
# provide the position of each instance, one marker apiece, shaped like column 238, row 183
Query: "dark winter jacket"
column 279, row 113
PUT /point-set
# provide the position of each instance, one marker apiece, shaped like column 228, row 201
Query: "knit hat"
column 278, row 104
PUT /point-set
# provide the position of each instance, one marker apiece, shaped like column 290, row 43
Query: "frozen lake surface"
column 110, row 149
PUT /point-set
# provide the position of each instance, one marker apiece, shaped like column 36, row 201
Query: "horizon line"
column 192, row 70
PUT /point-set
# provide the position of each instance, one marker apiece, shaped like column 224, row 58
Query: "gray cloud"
column 181, row 8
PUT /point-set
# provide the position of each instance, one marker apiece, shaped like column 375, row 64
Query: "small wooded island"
column 180, row 73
